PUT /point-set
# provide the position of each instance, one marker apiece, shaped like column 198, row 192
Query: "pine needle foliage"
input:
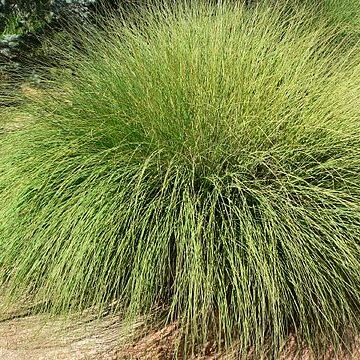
column 204, row 160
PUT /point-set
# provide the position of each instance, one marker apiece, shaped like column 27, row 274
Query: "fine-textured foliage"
column 203, row 160
column 347, row 12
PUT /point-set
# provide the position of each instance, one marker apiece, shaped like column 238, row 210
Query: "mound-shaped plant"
column 204, row 160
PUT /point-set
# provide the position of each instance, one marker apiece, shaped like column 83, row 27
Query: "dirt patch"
column 39, row 338
column 42, row 338
column 157, row 345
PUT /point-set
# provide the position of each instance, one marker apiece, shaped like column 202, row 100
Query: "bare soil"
column 43, row 338
column 40, row 338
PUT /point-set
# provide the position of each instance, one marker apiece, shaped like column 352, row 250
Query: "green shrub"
column 205, row 161
column 11, row 26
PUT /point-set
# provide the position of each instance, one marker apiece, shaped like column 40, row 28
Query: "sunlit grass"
column 205, row 161
column 345, row 12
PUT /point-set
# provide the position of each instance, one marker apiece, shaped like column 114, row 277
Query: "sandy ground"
column 39, row 338
column 42, row 338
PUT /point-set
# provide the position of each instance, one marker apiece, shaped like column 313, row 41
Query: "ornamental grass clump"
column 345, row 12
column 203, row 160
